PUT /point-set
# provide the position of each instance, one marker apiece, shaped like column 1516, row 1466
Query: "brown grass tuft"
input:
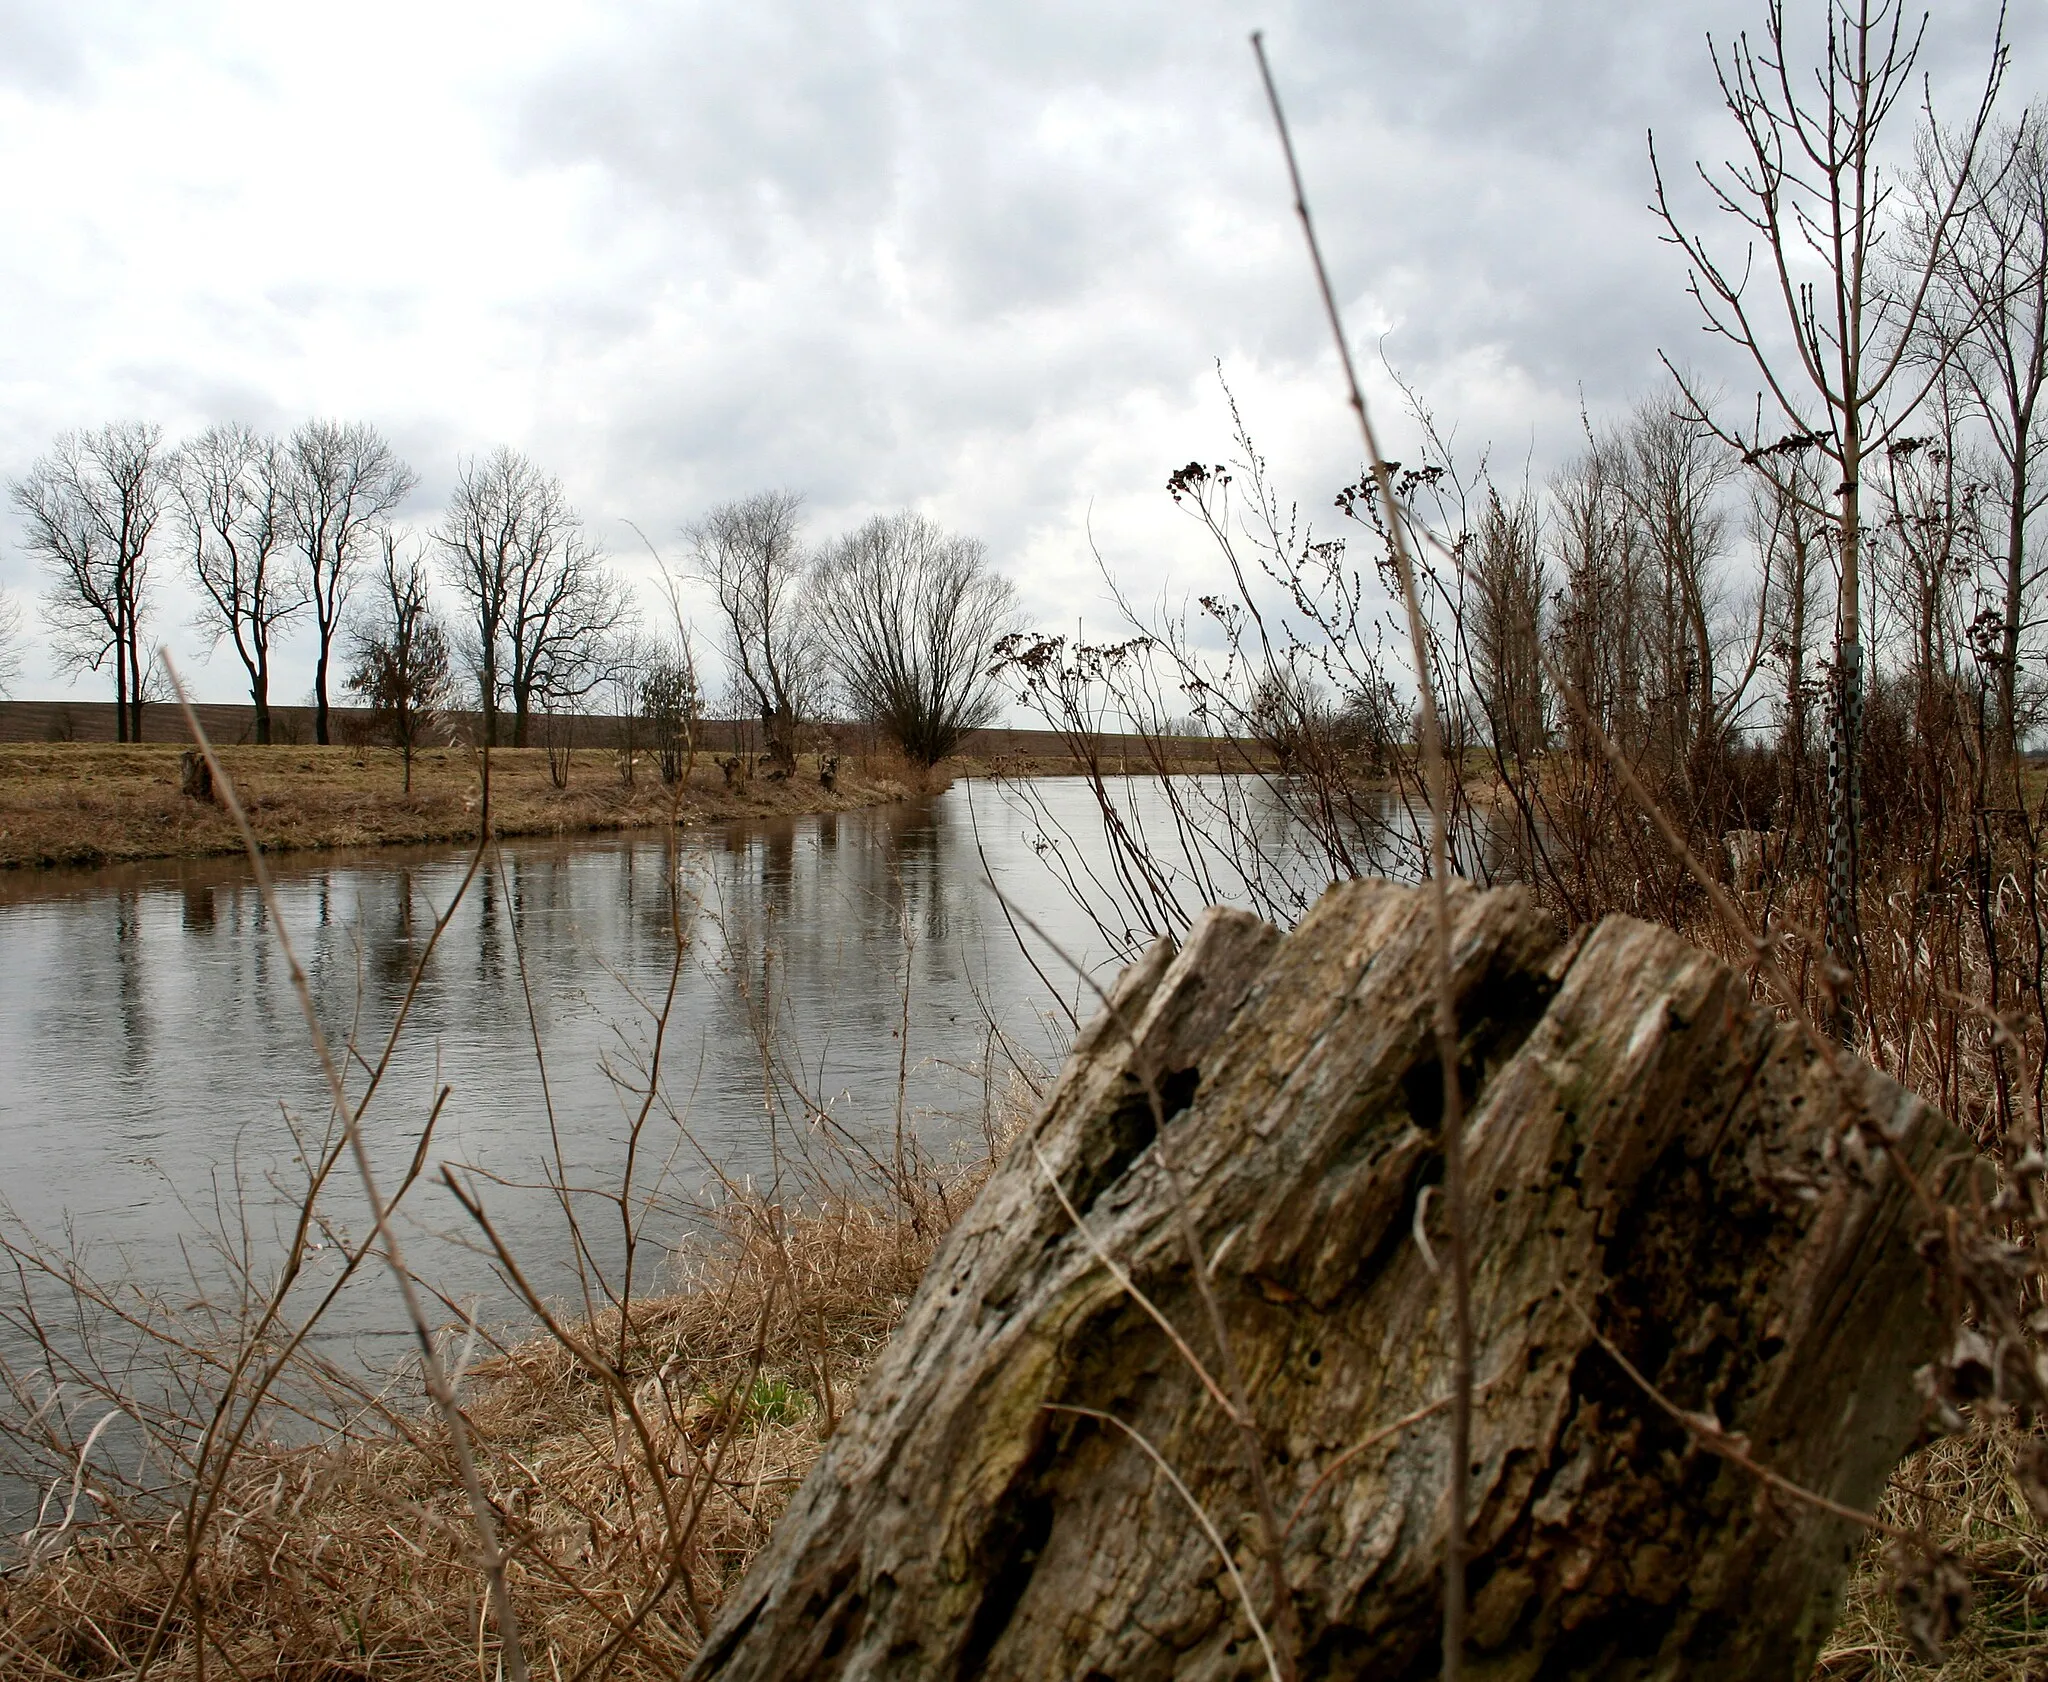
column 1966, row 1494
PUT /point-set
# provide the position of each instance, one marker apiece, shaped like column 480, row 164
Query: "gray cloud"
column 982, row 259
column 40, row 51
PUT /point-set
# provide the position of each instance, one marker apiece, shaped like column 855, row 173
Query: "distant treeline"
column 505, row 605
column 234, row 724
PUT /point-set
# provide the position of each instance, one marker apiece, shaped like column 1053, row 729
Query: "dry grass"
column 1966, row 1492
column 74, row 803
column 626, row 1517
column 354, row 1557
column 640, row 1461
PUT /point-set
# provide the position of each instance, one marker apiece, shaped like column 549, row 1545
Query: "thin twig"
column 444, row 1399
column 1415, row 1417
column 1444, row 1018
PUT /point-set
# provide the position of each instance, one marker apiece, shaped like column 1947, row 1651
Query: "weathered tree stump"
column 1651, row 1153
column 195, row 776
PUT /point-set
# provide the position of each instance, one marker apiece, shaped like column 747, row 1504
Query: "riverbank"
column 638, row 1463
column 87, row 804
column 95, row 803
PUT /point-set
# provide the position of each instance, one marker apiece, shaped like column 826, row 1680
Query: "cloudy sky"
column 980, row 259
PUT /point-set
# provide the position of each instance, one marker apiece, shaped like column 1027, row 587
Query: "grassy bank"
column 640, row 1480
column 78, row 803
column 89, row 803
column 639, row 1463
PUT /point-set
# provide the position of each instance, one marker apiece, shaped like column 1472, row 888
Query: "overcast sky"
column 979, row 259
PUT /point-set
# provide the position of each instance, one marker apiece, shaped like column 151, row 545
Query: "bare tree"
column 400, row 663
column 345, row 482
column 1810, row 185
column 234, row 487
column 627, row 658
column 1988, row 316
column 1930, row 495
column 750, row 554
column 91, row 507
column 1504, row 624
column 12, row 637
column 565, row 608
column 1676, row 470
column 480, row 537
column 911, row 616
column 1597, row 627
column 1644, row 625
column 1793, row 539
column 541, row 602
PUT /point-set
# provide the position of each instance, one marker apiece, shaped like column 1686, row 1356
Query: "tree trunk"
column 1845, row 747
column 195, row 777
column 320, row 689
column 2014, row 605
column 487, row 695
column 259, row 695
column 135, row 674
column 1793, row 821
column 120, row 665
column 778, row 725
column 1647, row 1148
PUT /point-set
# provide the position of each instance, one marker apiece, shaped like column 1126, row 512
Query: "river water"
column 159, row 1092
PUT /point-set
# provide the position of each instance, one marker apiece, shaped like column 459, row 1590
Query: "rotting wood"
column 1652, row 1154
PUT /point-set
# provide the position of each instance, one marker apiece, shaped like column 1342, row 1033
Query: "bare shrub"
column 400, row 664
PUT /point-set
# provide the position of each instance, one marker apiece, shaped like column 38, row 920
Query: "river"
column 159, row 1091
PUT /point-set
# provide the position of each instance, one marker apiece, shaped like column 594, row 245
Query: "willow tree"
column 911, row 615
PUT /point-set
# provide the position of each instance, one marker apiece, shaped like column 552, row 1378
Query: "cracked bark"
column 1645, row 1142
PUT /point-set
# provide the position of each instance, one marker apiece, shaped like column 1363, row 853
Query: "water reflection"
column 154, row 1059
column 154, row 1050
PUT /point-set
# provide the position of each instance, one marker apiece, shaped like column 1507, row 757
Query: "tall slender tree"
column 1988, row 316
column 1832, row 336
column 1793, row 540
column 1597, row 626
column 345, row 483
column 1676, row 469
column 90, row 509
column 1504, row 624
column 541, row 603
column 751, row 554
column 234, row 489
